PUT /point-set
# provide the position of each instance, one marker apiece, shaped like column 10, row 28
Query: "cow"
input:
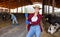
column 54, row 22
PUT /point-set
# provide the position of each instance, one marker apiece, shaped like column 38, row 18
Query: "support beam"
column 21, row 10
column 53, row 4
column 48, row 6
column 43, row 7
column 17, row 9
column 9, row 6
column 17, row 5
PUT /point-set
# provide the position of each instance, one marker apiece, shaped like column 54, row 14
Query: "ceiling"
column 18, row 3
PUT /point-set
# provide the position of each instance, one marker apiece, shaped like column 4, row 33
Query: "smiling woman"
column 34, row 22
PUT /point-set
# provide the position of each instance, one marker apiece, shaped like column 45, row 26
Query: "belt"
column 34, row 25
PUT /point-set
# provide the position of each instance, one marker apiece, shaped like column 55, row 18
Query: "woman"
column 34, row 21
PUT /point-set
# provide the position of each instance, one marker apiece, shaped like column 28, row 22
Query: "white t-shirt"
column 34, row 19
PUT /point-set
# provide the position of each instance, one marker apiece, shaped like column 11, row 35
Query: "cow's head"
column 53, row 28
column 47, row 17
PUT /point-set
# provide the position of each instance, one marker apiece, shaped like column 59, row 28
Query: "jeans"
column 34, row 30
column 14, row 21
column 27, row 22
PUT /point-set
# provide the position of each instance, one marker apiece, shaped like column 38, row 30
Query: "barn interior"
column 19, row 8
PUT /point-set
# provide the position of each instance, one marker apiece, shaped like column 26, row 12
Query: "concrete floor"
column 20, row 31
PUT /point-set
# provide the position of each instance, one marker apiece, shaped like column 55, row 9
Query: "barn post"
column 17, row 9
column 21, row 9
column 48, row 6
column 43, row 7
column 9, row 6
column 9, row 10
column 17, row 5
column 53, row 4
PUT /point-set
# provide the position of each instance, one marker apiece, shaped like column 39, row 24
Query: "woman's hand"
column 30, row 22
column 26, row 18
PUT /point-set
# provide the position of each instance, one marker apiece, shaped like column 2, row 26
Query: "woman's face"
column 37, row 9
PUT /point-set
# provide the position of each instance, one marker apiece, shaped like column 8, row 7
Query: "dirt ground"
column 20, row 31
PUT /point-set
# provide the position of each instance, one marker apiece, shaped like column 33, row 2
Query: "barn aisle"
column 20, row 31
